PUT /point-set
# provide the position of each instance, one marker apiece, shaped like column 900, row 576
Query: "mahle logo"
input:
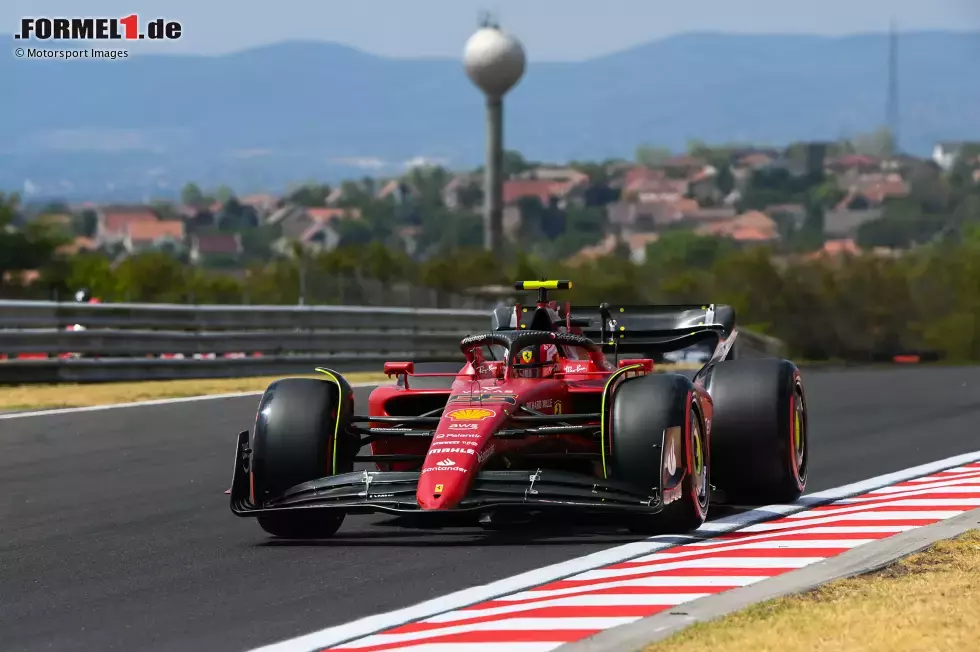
column 127, row 28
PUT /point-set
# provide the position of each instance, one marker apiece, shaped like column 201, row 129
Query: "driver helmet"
column 538, row 361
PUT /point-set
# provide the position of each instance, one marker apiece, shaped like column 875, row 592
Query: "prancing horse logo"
column 527, row 355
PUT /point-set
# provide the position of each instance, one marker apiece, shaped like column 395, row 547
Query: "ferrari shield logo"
column 438, row 489
column 557, row 407
column 527, row 355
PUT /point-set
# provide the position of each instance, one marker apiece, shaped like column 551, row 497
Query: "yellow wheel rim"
column 799, row 438
column 700, row 475
column 799, row 430
column 698, row 454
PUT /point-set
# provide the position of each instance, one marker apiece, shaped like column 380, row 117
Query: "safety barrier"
column 164, row 341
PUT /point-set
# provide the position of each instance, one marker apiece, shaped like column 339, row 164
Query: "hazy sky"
column 550, row 29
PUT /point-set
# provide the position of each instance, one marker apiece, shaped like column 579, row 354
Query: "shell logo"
column 471, row 414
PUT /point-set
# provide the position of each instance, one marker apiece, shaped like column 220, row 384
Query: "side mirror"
column 399, row 368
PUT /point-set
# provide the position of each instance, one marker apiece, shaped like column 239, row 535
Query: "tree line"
column 849, row 308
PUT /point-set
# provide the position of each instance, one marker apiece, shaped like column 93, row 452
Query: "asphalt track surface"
column 115, row 533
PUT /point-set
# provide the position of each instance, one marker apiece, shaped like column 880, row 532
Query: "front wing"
column 394, row 492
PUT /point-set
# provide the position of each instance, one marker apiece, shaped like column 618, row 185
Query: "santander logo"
column 446, row 462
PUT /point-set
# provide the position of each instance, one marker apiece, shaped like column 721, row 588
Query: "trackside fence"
column 40, row 341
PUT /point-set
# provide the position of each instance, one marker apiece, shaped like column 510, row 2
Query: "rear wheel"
column 759, row 433
column 658, row 441
column 300, row 436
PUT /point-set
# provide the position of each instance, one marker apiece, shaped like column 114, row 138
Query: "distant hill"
column 263, row 118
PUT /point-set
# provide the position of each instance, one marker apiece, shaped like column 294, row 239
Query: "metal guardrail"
column 50, row 314
column 124, row 341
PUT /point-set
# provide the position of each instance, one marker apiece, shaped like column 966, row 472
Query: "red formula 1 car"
column 547, row 413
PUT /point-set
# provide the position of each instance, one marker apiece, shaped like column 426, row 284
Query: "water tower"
column 495, row 62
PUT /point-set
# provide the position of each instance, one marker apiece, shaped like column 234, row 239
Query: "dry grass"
column 928, row 602
column 36, row 397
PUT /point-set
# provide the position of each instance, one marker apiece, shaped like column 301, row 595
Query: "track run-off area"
column 116, row 533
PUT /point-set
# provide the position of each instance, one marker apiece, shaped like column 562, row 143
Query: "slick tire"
column 759, row 433
column 293, row 442
column 643, row 408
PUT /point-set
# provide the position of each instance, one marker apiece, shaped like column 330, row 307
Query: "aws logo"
column 484, row 398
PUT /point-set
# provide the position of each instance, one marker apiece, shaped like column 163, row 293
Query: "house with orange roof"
column 631, row 177
column 143, row 235
column 113, row 222
column 750, row 227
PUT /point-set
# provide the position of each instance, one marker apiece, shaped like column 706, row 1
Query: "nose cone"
column 443, row 487
column 451, row 464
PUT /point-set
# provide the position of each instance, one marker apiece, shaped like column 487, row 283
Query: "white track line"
column 332, row 636
column 161, row 401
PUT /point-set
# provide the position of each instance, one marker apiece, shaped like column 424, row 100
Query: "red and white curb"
column 546, row 615
column 568, row 610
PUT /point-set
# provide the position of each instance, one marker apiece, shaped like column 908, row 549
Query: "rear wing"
column 657, row 329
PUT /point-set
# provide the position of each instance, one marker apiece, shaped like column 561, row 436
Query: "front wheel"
column 658, row 442
column 300, row 435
